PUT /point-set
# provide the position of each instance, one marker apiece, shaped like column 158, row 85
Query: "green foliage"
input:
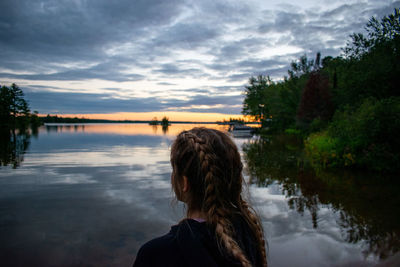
column 321, row 150
column 302, row 66
column 255, row 98
column 14, row 109
column 370, row 133
column 275, row 104
column 378, row 33
column 362, row 138
column 361, row 88
column 292, row 131
column 370, row 67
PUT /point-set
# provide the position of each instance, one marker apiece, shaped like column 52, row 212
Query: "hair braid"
column 257, row 228
column 211, row 162
column 214, row 208
column 224, row 231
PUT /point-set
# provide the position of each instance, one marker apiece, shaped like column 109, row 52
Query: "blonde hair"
column 211, row 162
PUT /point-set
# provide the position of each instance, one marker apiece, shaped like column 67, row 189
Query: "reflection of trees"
column 367, row 206
column 154, row 127
column 271, row 159
column 380, row 242
column 164, row 129
column 52, row 128
column 67, row 128
column 13, row 144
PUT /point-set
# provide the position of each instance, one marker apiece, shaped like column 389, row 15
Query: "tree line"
column 15, row 120
column 347, row 108
column 14, row 109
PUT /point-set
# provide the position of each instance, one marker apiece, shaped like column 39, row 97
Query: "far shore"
column 87, row 121
column 49, row 120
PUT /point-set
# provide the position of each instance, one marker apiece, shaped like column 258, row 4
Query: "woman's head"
column 210, row 163
column 207, row 176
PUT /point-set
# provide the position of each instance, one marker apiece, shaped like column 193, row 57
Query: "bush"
column 293, row 131
column 365, row 137
column 321, row 150
column 317, row 125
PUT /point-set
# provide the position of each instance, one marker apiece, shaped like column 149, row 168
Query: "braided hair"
column 211, row 163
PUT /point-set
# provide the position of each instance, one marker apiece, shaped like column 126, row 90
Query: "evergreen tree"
column 14, row 109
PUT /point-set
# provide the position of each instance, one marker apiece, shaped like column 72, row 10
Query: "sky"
column 189, row 60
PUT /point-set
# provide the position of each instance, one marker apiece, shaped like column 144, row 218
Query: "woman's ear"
column 185, row 186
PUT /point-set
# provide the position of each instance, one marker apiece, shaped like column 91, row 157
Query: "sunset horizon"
column 147, row 116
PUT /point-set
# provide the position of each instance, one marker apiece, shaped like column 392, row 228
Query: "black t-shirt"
column 192, row 243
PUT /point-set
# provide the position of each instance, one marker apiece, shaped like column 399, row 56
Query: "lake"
column 92, row 194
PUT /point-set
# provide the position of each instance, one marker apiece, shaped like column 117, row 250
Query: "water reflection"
column 124, row 128
column 165, row 128
column 64, row 128
column 86, row 195
column 91, row 194
column 13, row 144
column 154, row 127
column 367, row 205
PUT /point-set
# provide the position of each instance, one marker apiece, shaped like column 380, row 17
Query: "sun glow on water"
column 172, row 115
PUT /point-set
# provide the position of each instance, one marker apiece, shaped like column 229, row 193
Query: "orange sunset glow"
column 146, row 116
column 133, row 128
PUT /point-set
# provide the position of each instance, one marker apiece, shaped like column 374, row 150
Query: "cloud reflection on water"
column 291, row 237
column 86, row 196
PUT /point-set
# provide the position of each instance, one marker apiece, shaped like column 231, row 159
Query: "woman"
column 221, row 229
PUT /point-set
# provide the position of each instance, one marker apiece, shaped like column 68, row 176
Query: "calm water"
column 91, row 194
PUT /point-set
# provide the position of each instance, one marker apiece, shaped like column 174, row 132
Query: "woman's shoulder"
column 157, row 251
column 161, row 243
column 182, row 246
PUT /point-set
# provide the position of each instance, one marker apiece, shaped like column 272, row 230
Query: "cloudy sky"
column 137, row 58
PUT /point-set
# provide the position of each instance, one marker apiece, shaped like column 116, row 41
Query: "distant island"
column 57, row 119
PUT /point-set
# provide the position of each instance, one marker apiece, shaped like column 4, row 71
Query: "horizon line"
column 149, row 116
